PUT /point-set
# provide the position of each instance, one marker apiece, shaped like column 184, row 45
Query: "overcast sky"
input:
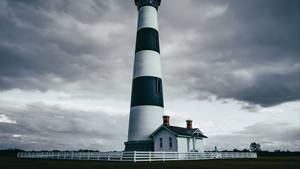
column 231, row 66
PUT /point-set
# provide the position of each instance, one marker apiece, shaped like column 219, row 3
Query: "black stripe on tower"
column 147, row 90
column 147, row 39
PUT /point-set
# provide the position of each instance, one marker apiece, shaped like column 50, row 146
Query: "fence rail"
column 135, row 155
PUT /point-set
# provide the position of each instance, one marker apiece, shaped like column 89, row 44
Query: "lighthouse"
column 147, row 106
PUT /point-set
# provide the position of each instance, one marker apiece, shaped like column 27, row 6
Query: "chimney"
column 189, row 124
column 166, row 120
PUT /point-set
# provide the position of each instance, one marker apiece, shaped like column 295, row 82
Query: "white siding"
column 165, row 135
column 199, row 146
column 182, row 144
column 190, row 144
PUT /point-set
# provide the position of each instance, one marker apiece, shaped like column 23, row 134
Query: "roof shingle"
column 182, row 131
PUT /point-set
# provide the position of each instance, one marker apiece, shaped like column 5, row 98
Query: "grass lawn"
column 284, row 162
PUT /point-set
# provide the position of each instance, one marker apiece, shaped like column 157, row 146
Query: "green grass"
column 260, row 163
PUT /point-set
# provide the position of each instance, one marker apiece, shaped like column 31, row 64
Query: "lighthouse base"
column 139, row 145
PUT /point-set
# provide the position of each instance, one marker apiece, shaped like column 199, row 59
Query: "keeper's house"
column 178, row 139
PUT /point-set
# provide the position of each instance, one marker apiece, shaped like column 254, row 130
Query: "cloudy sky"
column 231, row 66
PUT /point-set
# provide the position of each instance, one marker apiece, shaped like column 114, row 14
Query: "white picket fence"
column 135, row 155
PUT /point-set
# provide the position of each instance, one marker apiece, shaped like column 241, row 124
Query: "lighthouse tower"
column 147, row 105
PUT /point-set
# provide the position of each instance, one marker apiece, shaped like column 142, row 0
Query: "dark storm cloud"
column 247, row 51
column 41, row 126
column 54, row 44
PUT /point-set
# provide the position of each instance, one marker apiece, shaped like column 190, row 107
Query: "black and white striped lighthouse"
column 147, row 105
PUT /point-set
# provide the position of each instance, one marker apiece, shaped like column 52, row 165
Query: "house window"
column 160, row 142
column 170, row 142
column 158, row 86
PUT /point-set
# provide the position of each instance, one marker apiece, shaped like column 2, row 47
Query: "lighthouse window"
column 170, row 142
column 155, row 38
column 160, row 142
column 158, row 86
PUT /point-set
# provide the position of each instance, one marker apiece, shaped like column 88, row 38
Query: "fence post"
column 150, row 156
column 89, row 154
column 163, row 156
column 121, row 155
column 108, row 156
column 134, row 156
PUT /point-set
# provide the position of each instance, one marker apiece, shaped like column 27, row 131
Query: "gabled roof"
column 181, row 131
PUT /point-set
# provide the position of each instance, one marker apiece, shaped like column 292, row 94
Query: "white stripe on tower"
column 147, row 18
column 142, row 117
column 147, row 63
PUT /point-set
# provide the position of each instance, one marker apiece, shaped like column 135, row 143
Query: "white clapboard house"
column 178, row 139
